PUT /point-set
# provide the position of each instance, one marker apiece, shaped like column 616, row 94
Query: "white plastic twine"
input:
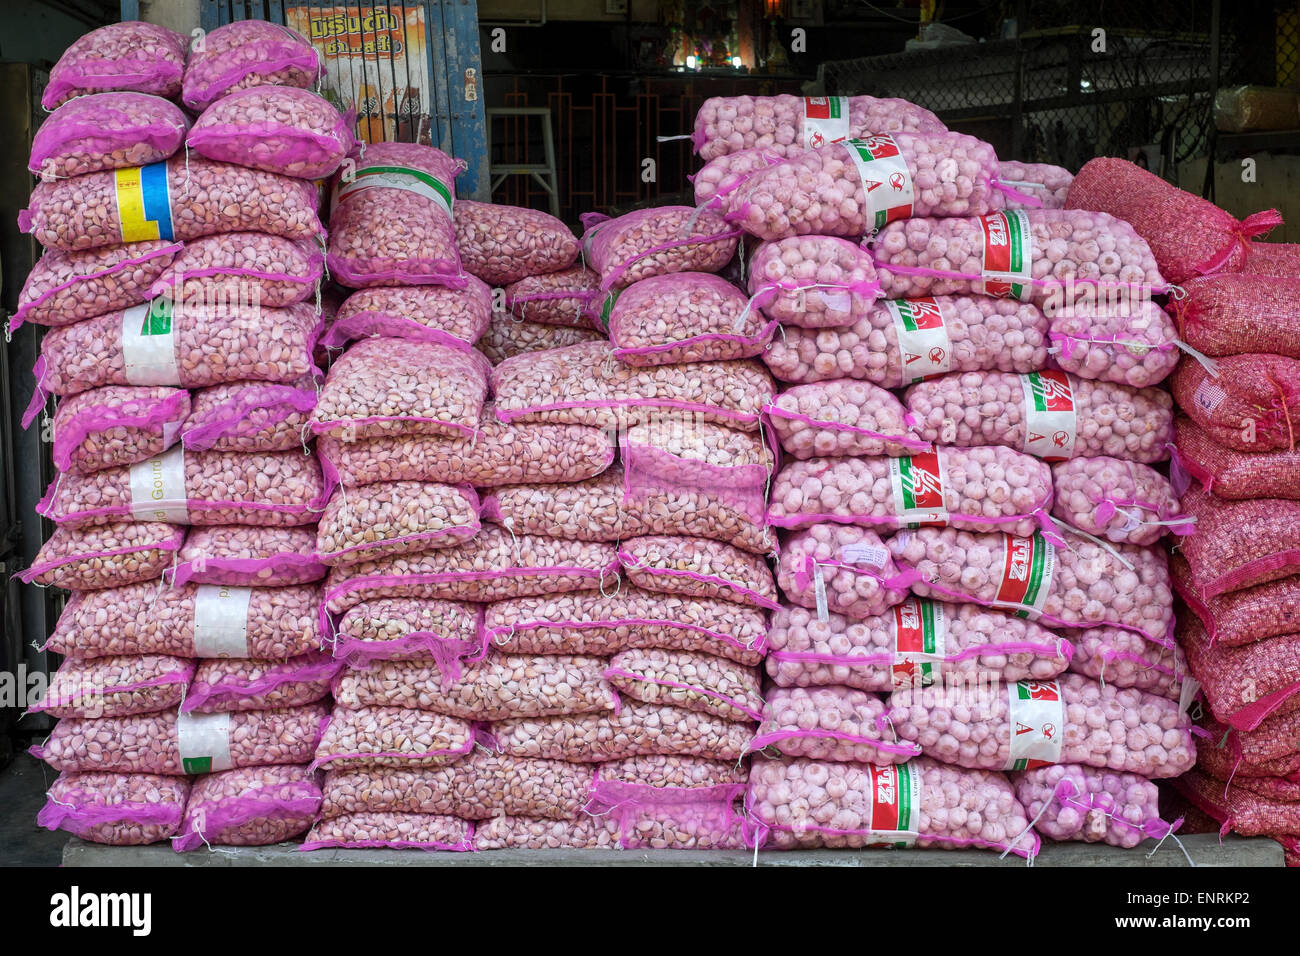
column 509, row 525
column 1083, row 534
column 1168, row 834
column 1028, row 829
column 672, row 139
column 618, row 586
column 1021, row 182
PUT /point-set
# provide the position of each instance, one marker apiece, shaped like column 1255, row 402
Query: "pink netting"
column 829, row 723
column 411, row 629
column 250, row 416
column 1244, row 685
column 1232, row 314
column 656, row 241
column 1117, row 500
column 1244, row 616
column 503, row 244
column 1041, row 181
column 1237, row 809
column 116, row 686
column 722, row 175
column 392, row 737
column 841, row 417
column 456, row 317
column 840, row 568
column 1249, row 403
column 104, row 556
column 256, row 267
column 508, row 336
column 118, row 809
column 279, row 129
column 556, row 298
column 396, row 831
column 672, row 770
column 1131, row 346
column 1071, row 802
column 106, row 131
column 392, row 518
column 1126, row 659
column 230, row 685
column 711, row 685
column 532, row 833
column 244, row 555
column 116, row 425
column 1239, row 544
column 254, row 806
column 812, row 282
column 1266, row 751
column 1230, row 473
column 698, row 567
column 1278, row 259
column 248, row 53
column 670, row 818
column 131, row 55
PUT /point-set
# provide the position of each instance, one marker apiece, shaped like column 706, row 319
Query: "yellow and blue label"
column 144, row 202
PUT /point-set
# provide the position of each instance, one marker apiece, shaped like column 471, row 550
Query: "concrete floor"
column 22, row 794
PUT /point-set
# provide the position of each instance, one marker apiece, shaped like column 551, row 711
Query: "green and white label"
column 204, row 742
column 920, row 642
column 149, row 344
column 825, row 120
column 895, row 805
column 886, row 181
column 221, row 621
column 1028, row 565
column 1036, row 713
column 399, row 177
column 924, row 346
column 1008, row 254
column 1051, row 421
column 918, row 482
column 158, row 488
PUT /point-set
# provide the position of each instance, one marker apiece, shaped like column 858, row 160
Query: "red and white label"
column 924, row 345
column 920, row 642
column 1008, row 254
column 918, row 483
column 886, row 181
column 1028, row 564
column 825, row 120
column 1036, row 714
column 895, row 806
column 1051, row 421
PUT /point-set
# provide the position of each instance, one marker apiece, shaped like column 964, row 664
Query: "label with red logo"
column 1036, row 714
column 885, row 180
column 1008, row 254
column 1027, row 568
column 825, row 120
column 1051, row 425
column 918, row 483
column 924, row 347
column 920, row 636
column 895, row 806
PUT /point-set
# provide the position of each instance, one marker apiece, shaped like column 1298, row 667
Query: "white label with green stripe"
column 158, row 488
column 895, row 806
column 886, row 182
column 149, row 344
column 825, row 120
column 607, row 309
column 1036, row 716
column 1028, row 564
column 204, row 742
column 1051, row 420
column 221, row 621
column 1008, row 254
column 924, row 346
column 920, row 642
column 399, row 177
column 918, row 482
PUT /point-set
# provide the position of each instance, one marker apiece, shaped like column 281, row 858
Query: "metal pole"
column 1212, row 138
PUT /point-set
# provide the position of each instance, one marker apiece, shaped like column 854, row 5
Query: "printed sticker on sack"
column 204, row 742
column 1051, row 422
column 918, row 485
column 221, row 621
column 158, row 488
column 865, row 555
column 886, row 182
column 1037, row 719
column 825, row 120
column 920, row 639
column 1027, row 568
column 144, row 202
column 1008, row 254
column 819, row 591
column 149, row 344
column 924, row 346
column 1208, row 396
column 895, row 806
column 398, row 177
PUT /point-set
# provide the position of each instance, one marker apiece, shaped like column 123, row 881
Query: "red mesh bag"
column 1239, row 544
column 1233, row 314
column 1249, row 403
column 1238, row 809
column 1244, row 685
column 1245, row 616
column 1228, row 473
column 1278, row 259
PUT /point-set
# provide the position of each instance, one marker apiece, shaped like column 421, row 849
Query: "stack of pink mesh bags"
column 180, row 285
column 1237, row 470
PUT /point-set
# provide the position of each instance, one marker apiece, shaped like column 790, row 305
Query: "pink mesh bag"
column 1237, row 809
column 1071, row 719
column 1234, row 314
column 255, row 266
column 106, row 131
column 391, row 737
column 656, row 241
column 840, row 417
column 915, row 642
column 1118, row 500
column 67, row 287
column 556, row 298
column 1190, row 236
column 411, row 629
column 900, row 342
column 493, row 565
column 104, row 556
column 1126, row 659
column 400, row 517
column 698, row 567
column 588, row 622
column 807, row 803
column 722, row 175
column 391, row 222
column 855, row 187
column 585, row 385
column 172, row 744
column 1227, row 472
column 248, row 555
column 1072, row 802
column 245, row 54
column 685, row 317
column 1239, row 544
column 1050, row 414
column 840, row 568
column 455, row 317
column 117, row 425
column 182, row 198
column 657, row 818
column 829, row 723
column 127, row 56
column 980, row 489
column 1244, row 685
column 382, row 386
column 276, row 489
column 501, row 687
column 279, row 129
column 1266, row 751
column 197, row 620
column 503, row 244
column 534, row 833
column 482, row 786
column 673, row 770
column 712, row 685
column 117, row 809
column 235, row 685
column 1131, row 346
column 251, row 806
column 496, row 454
column 250, row 416
column 1044, row 182
column 1278, row 259
column 813, row 282
column 1042, row 255
column 787, row 125
column 508, row 336
column 1243, row 616
column 637, row 729
column 396, row 831
column 1083, row 584
column 1248, row 403
column 116, row 686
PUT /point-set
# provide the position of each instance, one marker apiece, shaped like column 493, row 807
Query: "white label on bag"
column 149, row 344
column 1051, row 422
column 204, row 742
column 869, row 555
column 158, row 488
column 1209, row 395
column 886, row 182
column 920, row 642
column 221, row 621
column 924, row 346
column 895, row 805
column 1132, row 520
column 819, row 590
column 1008, row 254
column 1037, row 723
column 1028, row 564
column 825, row 120
column 918, row 481
column 398, row 177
